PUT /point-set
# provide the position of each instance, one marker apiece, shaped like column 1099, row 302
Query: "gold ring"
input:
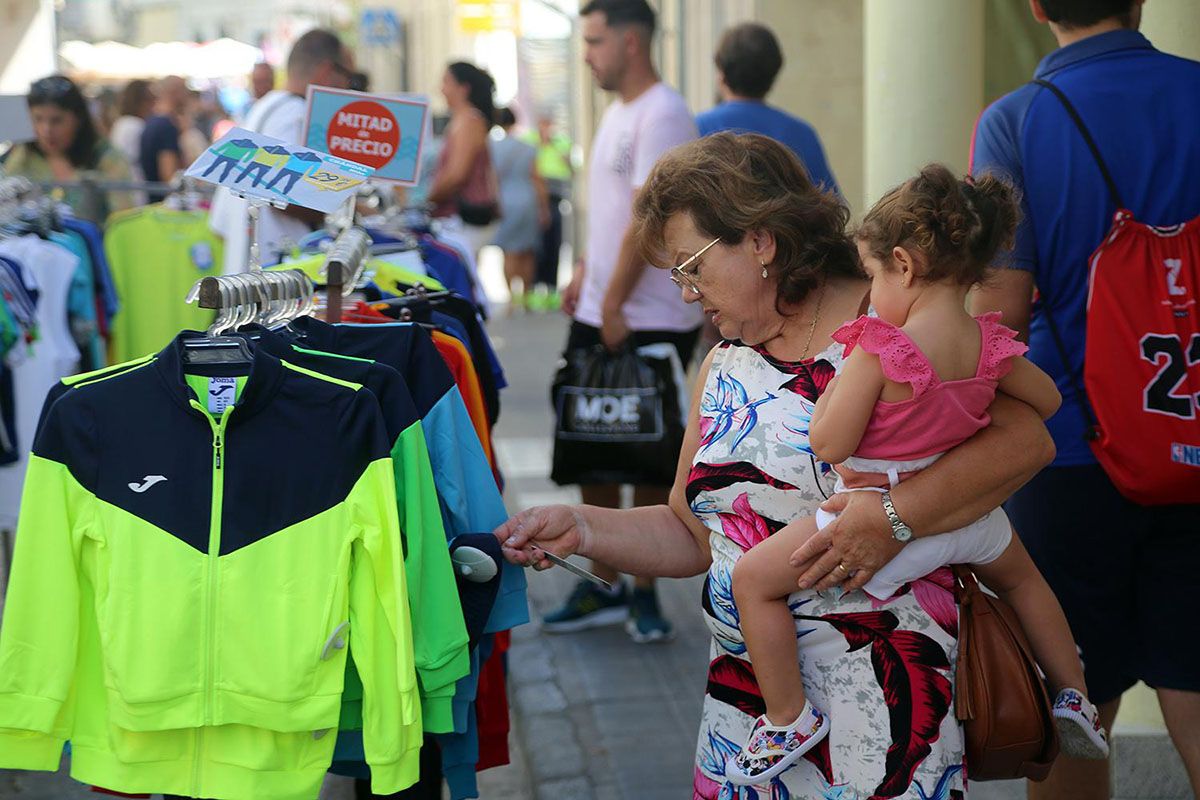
column 842, row 567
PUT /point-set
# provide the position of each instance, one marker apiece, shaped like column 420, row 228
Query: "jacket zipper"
column 211, row 567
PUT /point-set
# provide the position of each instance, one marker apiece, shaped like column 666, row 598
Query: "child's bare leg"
column 762, row 581
column 1017, row 581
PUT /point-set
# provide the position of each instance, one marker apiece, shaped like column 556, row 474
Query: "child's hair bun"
column 958, row 226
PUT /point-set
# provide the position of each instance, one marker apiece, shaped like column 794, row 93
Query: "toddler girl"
column 916, row 382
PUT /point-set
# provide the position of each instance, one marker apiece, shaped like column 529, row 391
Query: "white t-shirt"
column 279, row 114
column 52, row 357
column 126, row 136
column 631, row 138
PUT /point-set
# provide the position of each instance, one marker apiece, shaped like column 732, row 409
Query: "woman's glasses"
column 682, row 275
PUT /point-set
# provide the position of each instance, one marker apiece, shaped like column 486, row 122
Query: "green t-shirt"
column 553, row 158
column 156, row 255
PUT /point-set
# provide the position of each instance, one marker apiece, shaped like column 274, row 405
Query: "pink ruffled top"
column 940, row 414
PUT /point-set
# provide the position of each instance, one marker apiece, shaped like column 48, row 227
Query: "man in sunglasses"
column 318, row 58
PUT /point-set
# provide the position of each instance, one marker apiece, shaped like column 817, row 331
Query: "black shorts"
column 584, row 336
column 1127, row 577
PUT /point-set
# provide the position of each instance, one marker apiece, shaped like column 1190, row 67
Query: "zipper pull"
column 217, row 444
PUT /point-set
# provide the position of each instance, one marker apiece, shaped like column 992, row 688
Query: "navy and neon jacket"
column 181, row 578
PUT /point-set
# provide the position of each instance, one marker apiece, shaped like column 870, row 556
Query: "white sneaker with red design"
column 771, row 749
column 1079, row 730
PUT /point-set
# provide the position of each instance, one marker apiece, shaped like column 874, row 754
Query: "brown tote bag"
column 1000, row 698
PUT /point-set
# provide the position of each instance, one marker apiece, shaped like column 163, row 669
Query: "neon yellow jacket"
column 185, row 572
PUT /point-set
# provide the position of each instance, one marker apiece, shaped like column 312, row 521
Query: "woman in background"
column 135, row 104
column 465, row 183
column 67, row 148
column 526, row 209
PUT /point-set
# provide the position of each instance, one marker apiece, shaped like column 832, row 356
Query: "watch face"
column 903, row 533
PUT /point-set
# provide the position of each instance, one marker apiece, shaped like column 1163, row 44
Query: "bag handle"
column 967, row 591
column 1091, row 425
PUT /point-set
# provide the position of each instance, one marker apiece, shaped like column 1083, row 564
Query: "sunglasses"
column 683, row 276
column 55, row 87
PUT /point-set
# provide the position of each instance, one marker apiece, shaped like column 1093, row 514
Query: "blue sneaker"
column 646, row 623
column 589, row 606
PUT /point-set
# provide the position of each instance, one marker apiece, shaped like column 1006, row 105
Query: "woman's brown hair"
column 735, row 184
column 135, row 97
column 958, row 227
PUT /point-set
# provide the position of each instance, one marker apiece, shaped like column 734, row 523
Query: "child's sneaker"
column 771, row 749
column 1078, row 723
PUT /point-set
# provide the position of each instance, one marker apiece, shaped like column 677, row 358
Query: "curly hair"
column 734, row 184
column 957, row 226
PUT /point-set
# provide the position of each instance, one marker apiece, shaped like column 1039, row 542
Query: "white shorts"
column 981, row 542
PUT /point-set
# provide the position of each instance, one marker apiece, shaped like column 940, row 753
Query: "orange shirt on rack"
column 456, row 356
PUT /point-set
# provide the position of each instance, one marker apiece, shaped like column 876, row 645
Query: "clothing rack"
column 181, row 192
column 343, row 267
column 268, row 298
column 104, row 185
column 15, row 189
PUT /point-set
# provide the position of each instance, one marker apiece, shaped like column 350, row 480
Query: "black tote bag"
column 619, row 416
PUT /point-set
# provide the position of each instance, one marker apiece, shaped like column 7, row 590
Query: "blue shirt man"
column 1113, row 565
column 748, row 61
column 1143, row 108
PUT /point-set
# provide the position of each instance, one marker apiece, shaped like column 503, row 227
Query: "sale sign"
column 384, row 132
column 256, row 166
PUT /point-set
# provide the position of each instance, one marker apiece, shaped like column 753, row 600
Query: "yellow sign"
column 484, row 16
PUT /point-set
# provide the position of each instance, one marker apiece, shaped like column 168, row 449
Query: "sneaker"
column 1079, row 730
column 646, row 623
column 589, row 606
column 536, row 301
column 771, row 749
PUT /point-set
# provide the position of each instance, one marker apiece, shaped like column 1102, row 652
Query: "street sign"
column 380, row 27
column 483, row 16
column 384, row 132
column 263, row 167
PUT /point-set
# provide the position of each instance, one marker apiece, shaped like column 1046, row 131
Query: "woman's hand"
column 559, row 529
column 852, row 548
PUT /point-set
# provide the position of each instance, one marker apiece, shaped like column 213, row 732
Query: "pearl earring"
column 764, row 266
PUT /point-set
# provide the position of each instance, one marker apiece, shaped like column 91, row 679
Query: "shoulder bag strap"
column 1090, row 423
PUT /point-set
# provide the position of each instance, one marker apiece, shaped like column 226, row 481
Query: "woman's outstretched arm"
column 660, row 541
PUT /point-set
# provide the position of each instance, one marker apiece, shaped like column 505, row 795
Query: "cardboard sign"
column 253, row 165
column 384, row 132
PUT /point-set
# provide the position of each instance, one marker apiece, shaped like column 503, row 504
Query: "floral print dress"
column 882, row 671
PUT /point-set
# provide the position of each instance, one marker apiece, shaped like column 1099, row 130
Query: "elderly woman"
column 765, row 254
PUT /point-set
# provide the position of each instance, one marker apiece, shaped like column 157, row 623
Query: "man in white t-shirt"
column 317, row 58
column 616, row 296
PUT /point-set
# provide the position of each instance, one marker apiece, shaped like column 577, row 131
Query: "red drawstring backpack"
column 1141, row 367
